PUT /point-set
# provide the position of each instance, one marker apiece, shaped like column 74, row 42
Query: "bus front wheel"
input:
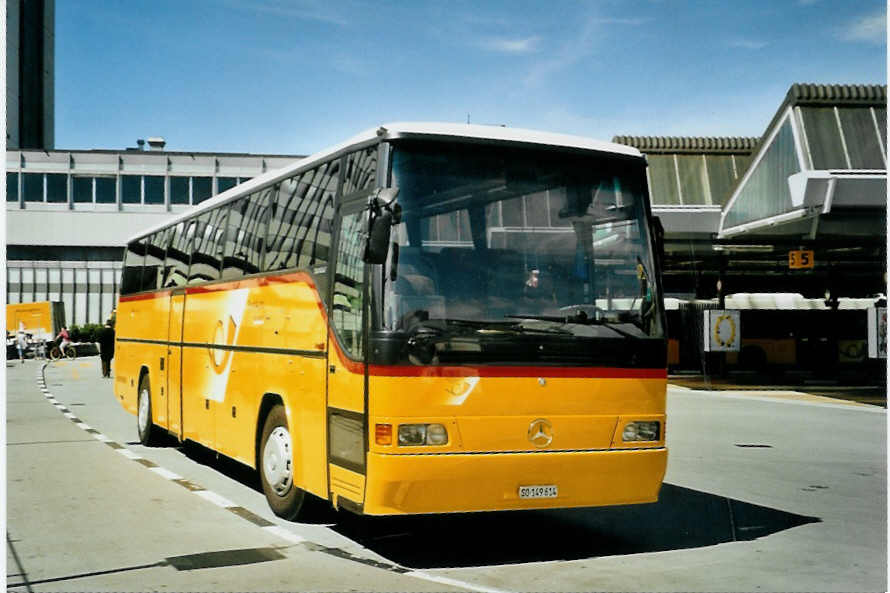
column 277, row 467
column 144, row 425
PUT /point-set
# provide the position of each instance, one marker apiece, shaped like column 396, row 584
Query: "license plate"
column 548, row 491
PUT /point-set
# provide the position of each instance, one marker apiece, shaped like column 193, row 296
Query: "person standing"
column 106, row 348
column 21, row 343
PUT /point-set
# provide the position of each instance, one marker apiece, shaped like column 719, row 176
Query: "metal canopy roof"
column 820, row 170
column 690, row 178
column 690, row 144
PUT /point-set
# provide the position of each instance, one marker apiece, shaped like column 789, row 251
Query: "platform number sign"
column 722, row 331
column 801, row 259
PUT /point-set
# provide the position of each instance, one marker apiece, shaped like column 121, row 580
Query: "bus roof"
column 393, row 131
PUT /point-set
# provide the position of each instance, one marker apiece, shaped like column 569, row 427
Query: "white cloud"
column 512, row 46
column 309, row 10
column 867, row 29
column 747, row 43
column 574, row 49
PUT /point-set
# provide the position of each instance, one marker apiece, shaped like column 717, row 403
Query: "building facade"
column 70, row 213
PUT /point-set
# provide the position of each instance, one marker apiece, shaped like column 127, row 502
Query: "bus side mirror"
column 380, row 221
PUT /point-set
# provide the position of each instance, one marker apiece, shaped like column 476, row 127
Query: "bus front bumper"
column 404, row 484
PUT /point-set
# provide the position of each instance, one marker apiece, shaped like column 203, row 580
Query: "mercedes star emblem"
column 540, row 432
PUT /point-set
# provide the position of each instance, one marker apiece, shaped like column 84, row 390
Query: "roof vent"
column 141, row 144
column 156, row 143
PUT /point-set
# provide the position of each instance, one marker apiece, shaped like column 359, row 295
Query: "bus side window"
column 176, row 264
column 361, row 170
column 154, row 260
column 347, row 305
column 131, row 278
column 285, row 207
column 205, row 263
column 246, row 234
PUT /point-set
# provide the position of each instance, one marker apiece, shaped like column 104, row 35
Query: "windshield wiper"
column 581, row 318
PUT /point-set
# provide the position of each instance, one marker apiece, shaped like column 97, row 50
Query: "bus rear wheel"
column 144, row 425
column 276, row 465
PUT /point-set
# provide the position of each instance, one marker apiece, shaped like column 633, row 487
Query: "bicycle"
column 56, row 352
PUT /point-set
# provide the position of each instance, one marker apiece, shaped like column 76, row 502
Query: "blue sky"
column 295, row 76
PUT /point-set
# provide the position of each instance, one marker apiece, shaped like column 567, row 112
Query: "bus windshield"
column 530, row 246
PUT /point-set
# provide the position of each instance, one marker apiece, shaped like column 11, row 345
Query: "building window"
column 105, row 190
column 82, row 188
column 12, row 187
column 57, row 188
column 131, row 189
column 154, row 189
column 32, row 187
column 201, row 189
column 663, row 180
column 179, row 190
column 225, row 183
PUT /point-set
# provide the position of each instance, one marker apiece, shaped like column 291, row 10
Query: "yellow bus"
column 427, row 318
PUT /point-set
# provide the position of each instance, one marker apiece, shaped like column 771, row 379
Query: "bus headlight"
column 422, row 434
column 641, row 431
column 436, row 434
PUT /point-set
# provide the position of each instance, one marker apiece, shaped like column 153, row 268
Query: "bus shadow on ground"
column 682, row 518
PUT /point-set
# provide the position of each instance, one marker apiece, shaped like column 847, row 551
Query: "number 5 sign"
column 801, row 259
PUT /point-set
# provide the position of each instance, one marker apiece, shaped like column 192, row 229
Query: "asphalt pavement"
column 765, row 490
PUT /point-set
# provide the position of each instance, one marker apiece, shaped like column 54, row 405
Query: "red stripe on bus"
column 144, row 297
column 515, row 371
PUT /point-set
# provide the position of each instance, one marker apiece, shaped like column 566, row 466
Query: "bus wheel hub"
column 277, row 460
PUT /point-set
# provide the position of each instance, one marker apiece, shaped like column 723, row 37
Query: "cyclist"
column 66, row 340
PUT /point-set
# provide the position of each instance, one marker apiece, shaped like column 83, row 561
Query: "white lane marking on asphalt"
column 165, row 473
column 129, row 454
column 101, row 437
column 69, row 415
column 798, row 402
column 85, row 426
column 285, row 534
column 454, row 582
column 215, row 498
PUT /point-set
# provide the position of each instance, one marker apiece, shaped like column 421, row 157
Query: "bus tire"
column 276, row 467
column 144, row 425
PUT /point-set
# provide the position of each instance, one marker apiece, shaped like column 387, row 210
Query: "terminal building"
column 738, row 211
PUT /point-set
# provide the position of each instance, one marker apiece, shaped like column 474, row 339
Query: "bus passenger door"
column 174, row 363
column 347, row 422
